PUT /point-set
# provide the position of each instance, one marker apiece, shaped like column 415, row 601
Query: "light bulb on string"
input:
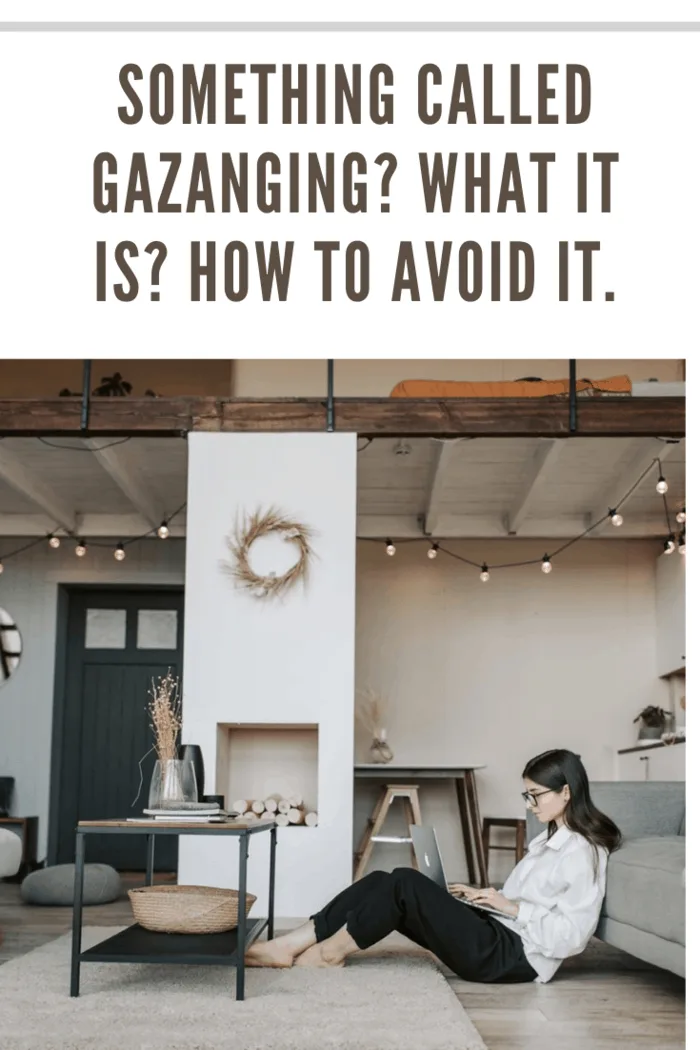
column 163, row 530
column 2, row 568
column 681, row 542
column 546, row 564
column 680, row 517
column 484, row 575
column 662, row 485
column 669, row 545
column 80, row 549
column 54, row 542
column 390, row 548
column 120, row 553
column 615, row 518
column 433, row 552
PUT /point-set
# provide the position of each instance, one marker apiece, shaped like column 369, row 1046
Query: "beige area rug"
column 382, row 1000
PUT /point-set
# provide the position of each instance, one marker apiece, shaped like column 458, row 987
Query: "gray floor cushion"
column 55, row 885
column 645, row 886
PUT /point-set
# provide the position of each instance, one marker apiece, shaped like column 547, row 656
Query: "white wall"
column 29, row 590
column 375, row 378
column 496, row 672
column 278, row 662
column 479, row 672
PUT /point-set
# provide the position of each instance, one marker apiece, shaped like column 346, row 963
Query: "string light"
column 545, row 563
column 2, row 568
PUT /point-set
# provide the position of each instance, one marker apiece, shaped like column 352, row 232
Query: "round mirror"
column 10, row 646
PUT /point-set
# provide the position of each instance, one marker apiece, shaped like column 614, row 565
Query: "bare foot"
column 316, row 957
column 269, row 953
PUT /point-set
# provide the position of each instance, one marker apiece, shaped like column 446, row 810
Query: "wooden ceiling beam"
column 43, row 496
column 542, row 462
column 121, row 465
column 444, row 456
column 465, row 527
column 369, row 417
column 92, row 525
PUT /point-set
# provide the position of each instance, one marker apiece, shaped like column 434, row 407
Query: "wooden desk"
column 467, row 799
column 28, row 828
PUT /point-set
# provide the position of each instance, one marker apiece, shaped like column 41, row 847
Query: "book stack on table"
column 185, row 813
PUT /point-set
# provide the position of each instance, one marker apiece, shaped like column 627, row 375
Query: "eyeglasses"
column 531, row 798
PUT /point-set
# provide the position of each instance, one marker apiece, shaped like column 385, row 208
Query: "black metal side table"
column 138, row 945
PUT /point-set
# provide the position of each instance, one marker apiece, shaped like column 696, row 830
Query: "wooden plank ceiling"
column 408, row 487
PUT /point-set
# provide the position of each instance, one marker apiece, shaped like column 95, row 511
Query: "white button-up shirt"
column 559, row 897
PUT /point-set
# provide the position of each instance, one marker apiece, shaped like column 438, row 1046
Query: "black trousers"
column 474, row 944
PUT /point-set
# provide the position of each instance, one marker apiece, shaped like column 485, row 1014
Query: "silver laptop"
column 429, row 860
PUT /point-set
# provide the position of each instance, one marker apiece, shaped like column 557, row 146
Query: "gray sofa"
column 644, row 908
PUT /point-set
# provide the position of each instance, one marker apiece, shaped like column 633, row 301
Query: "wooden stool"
column 518, row 826
column 409, row 794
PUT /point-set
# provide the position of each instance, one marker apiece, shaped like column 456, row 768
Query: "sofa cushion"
column 101, row 885
column 645, row 886
column 650, row 807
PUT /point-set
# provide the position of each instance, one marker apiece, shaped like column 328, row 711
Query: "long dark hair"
column 554, row 769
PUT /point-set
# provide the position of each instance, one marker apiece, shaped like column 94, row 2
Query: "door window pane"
column 157, row 629
column 105, row 629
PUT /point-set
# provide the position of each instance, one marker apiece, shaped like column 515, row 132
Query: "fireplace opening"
column 269, row 763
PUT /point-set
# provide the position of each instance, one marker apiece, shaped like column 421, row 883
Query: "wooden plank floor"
column 600, row 1000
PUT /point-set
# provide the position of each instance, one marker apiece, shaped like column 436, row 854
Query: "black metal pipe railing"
column 85, row 407
column 573, row 405
column 330, row 407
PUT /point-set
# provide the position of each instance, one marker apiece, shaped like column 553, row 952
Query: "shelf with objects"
column 269, row 771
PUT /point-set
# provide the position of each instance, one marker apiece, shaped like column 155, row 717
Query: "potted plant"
column 653, row 722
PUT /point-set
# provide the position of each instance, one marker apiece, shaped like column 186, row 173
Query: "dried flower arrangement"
column 253, row 528
column 165, row 716
column 371, row 710
column 165, row 712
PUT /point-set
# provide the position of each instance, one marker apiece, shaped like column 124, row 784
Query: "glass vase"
column 380, row 750
column 173, row 782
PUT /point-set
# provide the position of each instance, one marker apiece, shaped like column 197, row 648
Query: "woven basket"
column 187, row 909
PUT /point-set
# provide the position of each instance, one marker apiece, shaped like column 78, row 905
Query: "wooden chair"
column 517, row 824
column 409, row 794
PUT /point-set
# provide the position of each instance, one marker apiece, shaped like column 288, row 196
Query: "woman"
column 550, row 904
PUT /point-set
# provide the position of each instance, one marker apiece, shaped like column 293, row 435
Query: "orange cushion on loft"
column 615, row 385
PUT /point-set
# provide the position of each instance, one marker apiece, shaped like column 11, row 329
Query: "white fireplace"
column 268, row 685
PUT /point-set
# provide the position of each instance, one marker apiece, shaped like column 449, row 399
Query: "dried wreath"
column 253, row 528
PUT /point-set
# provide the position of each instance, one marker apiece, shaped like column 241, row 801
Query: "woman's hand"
column 493, row 899
column 458, row 889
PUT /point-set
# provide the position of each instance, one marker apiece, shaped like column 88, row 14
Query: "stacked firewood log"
column 285, row 812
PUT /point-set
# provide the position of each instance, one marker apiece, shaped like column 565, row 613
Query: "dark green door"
column 118, row 642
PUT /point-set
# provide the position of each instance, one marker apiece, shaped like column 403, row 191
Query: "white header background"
column 65, row 93
column 364, row 10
